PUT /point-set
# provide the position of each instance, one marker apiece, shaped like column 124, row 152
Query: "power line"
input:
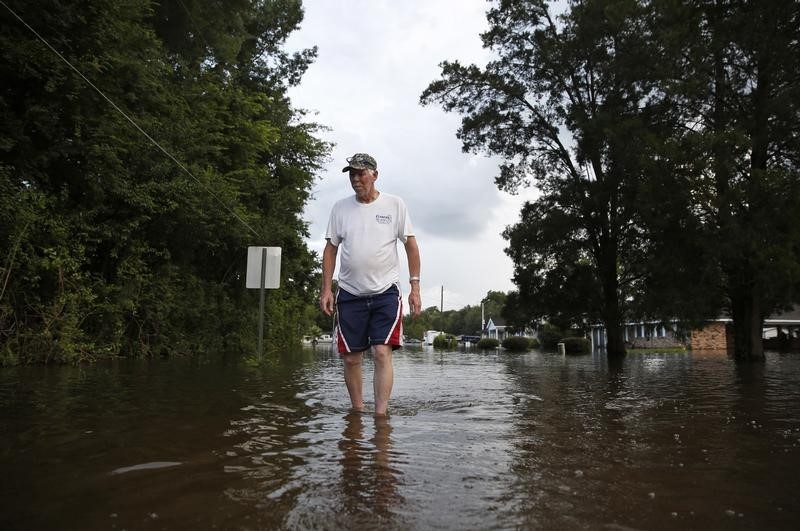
column 119, row 110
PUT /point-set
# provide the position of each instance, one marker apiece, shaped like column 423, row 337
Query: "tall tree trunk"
column 748, row 324
column 612, row 318
column 615, row 342
column 746, row 302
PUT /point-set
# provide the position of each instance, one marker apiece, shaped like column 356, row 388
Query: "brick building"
column 781, row 331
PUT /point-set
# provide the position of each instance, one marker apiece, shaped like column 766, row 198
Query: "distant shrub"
column 445, row 341
column 550, row 336
column 516, row 343
column 535, row 343
column 576, row 345
column 488, row 343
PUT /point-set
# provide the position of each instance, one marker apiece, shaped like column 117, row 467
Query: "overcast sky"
column 375, row 59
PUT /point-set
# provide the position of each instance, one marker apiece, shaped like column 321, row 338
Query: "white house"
column 496, row 328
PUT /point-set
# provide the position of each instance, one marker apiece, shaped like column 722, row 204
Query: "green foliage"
column 659, row 180
column 738, row 160
column 414, row 328
column 518, row 313
column 466, row 321
column 549, row 336
column 110, row 247
column 535, row 343
column 517, row 343
column 488, row 343
column 445, row 341
column 579, row 245
column 577, row 345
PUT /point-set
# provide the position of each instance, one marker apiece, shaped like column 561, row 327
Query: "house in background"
column 781, row 331
column 644, row 334
column 496, row 328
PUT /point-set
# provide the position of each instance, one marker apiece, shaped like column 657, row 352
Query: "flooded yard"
column 473, row 441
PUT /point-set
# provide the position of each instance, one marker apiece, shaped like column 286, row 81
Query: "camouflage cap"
column 360, row 161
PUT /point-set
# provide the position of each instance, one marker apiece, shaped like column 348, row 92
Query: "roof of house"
column 789, row 317
column 496, row 321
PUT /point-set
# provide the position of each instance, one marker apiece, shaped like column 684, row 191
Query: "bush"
column 534, row 343
column 577, row 345
column 516, row 343
column 488, row 343
column 445, row 341
column 550, row 336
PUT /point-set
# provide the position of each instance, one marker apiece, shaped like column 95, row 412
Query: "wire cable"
column 119, row 110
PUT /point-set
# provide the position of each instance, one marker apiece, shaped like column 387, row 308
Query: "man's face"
column 363, row 182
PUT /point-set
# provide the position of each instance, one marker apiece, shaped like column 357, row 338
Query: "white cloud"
column 375, row 59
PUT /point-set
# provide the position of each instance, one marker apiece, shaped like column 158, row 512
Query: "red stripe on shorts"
column 396, row 334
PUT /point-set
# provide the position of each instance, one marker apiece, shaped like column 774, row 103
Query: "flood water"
column 473, row 441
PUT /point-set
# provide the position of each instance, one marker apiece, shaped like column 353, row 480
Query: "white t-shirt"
column 366, row 235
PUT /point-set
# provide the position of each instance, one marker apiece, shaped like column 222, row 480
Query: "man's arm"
column 412, row 253
column 326, row 299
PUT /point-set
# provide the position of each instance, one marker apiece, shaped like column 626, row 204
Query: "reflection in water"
column 660, row 442
column 369, row 473
column 259, row 455
column 475, row 441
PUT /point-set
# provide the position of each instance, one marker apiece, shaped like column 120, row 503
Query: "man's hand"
column 326, row 302
column 415, row 302
column 412, row 252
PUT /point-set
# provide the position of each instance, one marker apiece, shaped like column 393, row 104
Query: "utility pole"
column 483, row 321
column 441, row 302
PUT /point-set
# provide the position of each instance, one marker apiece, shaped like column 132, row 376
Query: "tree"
column 117, row 249
column 517, row 313
column 566, row 105
column 730, row 76
column 465, row 321
column 493, row 304
column 428, row 319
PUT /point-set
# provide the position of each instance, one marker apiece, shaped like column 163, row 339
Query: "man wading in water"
column 368, row 303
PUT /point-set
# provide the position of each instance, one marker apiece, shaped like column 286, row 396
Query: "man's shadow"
column 370, row 475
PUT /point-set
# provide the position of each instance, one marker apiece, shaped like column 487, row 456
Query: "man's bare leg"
column 353, row 378
column 384, row 377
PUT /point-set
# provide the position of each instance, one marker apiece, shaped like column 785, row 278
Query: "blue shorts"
column 369, row 320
